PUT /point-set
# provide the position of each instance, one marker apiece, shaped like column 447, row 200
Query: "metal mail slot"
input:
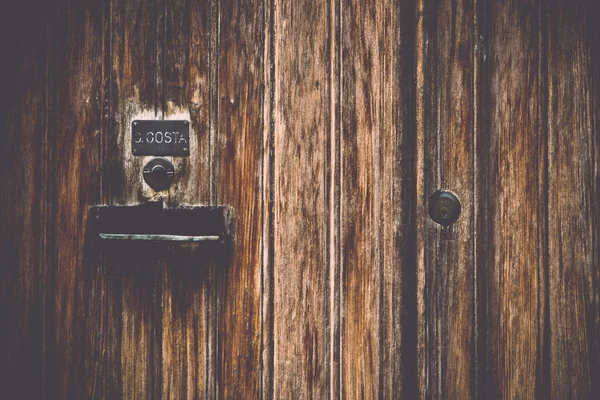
column 153, row 223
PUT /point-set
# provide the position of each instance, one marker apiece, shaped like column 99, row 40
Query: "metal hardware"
column 152, row 223
column 444, row 207
column 168, row 238
column 159, row 173
column 160, row 138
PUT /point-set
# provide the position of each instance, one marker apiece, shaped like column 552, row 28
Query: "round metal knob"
column 444, row 207
column 159, row 173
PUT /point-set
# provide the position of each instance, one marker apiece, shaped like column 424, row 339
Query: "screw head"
column 444, row 207
column 135, row 123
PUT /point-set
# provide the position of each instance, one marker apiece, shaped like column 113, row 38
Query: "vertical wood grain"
column 268, row 178
column 135, row 94
column 186, row 93
column 78, row 69
column 26, row 212
column 367, row 127
column 573, row 200
column 135, row 292
column 420, row 219
column 335, row 161
column 185, row 359
column 212, row 298
column 138, row 309
column 377, row 251
column 301, row 200
column 186, row 285
column 239, row 177
column 401, row 339
column 511, row 205
column 446, row 117
column 324, row 126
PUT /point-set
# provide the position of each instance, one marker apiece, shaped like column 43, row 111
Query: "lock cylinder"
column 444, row 207
column 159, row 173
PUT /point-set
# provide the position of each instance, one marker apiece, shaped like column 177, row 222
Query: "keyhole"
column 444, row 207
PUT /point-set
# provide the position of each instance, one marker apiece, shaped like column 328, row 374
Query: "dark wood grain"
column 187, row 94
column 239, row 177
column 135, row 290
column 301, row 200
column 573, row 199
column 446, row 117
column 324, row 127
column 185, row 358
column 134, row 94
column 511, row 202
column 26, row 197
column 78, row 68
column 186, row 286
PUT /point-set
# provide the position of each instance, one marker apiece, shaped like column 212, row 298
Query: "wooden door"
column 324, row 127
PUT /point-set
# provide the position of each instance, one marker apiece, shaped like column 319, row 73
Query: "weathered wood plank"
column 368, row 98
column 139, row 312
column 26, row 212
column 301, row 200
column 510, row 181
column 135, row 94
column 78, row 68
column 187, row 94
column 335, row 194
column 185, row 287
column 268, row 178
column 420, row 218
column 135, row 293
column 446, row 114
column 184, row 324
column 212, row 297
column 401, row 331
column 573, row 200
column 374, row 124
column 239, row 178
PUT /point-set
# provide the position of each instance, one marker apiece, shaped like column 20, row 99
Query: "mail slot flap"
column 152, row 221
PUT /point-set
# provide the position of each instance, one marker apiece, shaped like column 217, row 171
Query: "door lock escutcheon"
column 159, row 173
column 444, row 207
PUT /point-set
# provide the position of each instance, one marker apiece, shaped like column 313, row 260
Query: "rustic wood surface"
column 324, row 127
column 135, row 337
column 240, row 136
column 77, row 292
column 26, row 270
column 301, row 193
column 376, row 193
column 445, row 136
column 189, row 289
column 572, row 308
column 511, row 223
